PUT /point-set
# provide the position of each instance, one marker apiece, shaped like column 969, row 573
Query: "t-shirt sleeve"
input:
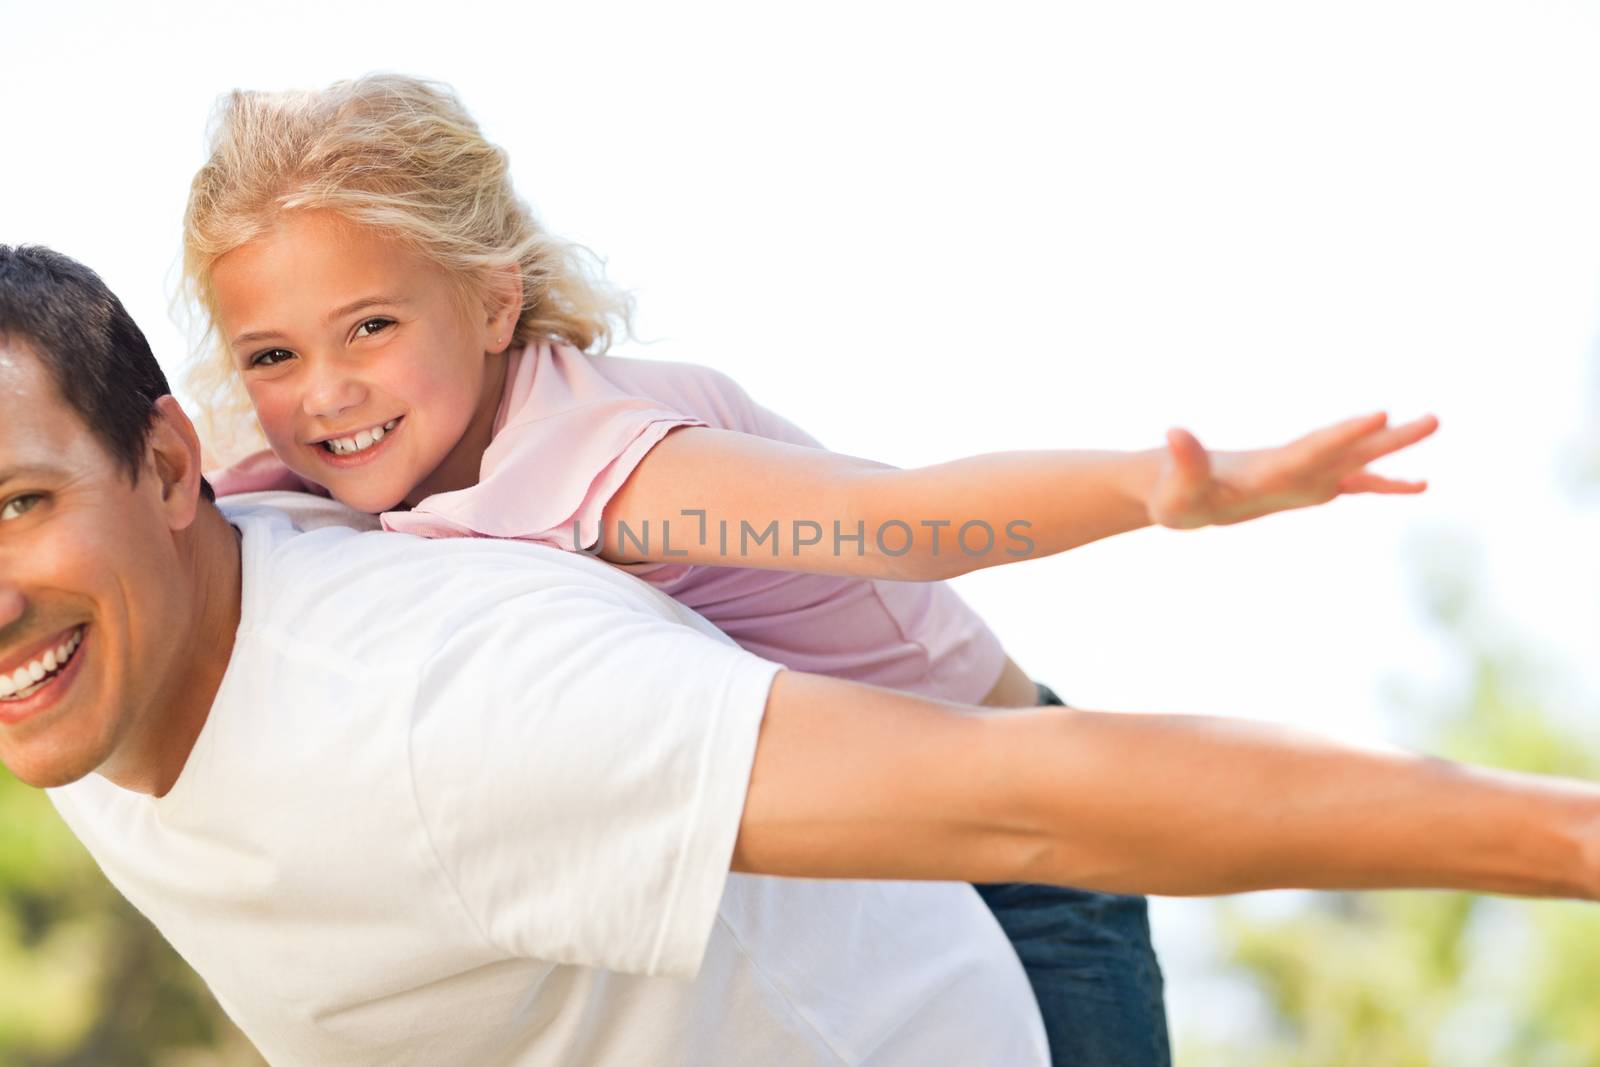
column 584, row 792
column 747, row 416
column 703, row 392
column 565, row 450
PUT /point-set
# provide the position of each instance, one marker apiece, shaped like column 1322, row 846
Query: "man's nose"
column 11, row 604
column 333, row 391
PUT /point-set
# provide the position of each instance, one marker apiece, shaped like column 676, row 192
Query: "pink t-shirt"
column 570, row 430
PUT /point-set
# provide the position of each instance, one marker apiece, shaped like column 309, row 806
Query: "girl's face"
column 367, row 375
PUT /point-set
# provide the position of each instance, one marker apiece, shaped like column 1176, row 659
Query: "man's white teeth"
column 349, row 446
column 25, row 679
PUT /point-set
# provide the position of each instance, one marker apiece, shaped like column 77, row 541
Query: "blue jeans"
column 1093, row 969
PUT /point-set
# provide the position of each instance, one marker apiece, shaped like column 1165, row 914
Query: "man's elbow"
column 1047, row 827
column 853, row 781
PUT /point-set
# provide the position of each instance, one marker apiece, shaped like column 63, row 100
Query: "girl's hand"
column 1199, row 488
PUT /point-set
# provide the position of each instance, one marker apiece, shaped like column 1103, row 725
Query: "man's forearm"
column 1184, row 805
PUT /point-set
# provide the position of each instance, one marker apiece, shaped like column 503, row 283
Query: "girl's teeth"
column 344, row 446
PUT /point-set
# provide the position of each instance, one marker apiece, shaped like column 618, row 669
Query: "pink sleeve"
column 702, row 392
column 260, row 472
column 570, row 440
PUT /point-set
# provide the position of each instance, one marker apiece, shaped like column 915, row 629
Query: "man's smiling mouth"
column 40, row 671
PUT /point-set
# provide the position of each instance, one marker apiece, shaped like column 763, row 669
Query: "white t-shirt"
column 473, row 802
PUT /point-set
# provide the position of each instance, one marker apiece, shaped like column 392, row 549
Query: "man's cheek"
column 57, row 557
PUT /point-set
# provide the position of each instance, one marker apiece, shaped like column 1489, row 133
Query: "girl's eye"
column 372, row 326
column 19, row 506
column 270, row 358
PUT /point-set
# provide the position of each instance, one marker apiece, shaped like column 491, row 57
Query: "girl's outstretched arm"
column 718, row 497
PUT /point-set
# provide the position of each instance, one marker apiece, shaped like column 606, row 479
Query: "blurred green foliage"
column 85, row 981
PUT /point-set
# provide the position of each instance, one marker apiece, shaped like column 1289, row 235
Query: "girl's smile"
column 346, row 450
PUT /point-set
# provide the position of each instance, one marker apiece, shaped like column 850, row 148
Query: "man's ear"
column 172, row 456
column 504, row 299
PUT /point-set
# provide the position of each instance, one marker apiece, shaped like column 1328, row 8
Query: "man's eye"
column 18, row 506
column 372, row 326
column 270, row 358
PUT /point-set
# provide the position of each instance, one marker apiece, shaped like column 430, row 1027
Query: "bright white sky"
column 921, row 232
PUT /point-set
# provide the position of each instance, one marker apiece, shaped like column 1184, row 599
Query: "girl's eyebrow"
column 253, row 335
column 333, row 316
column 364, row 303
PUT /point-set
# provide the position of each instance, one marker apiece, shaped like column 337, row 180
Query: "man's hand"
column 1199, row 488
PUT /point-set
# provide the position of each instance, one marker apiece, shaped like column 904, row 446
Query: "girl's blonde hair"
column 400, row 155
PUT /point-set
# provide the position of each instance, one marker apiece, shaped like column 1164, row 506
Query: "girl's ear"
column 504, row 306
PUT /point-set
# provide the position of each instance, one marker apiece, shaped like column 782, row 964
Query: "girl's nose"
column 332, row 393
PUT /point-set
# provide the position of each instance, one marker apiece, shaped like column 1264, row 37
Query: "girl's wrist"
column 1137, row 479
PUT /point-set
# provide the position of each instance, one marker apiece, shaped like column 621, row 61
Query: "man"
column 477, row 802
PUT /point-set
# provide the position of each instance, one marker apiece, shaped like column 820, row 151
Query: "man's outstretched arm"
column 851, row 781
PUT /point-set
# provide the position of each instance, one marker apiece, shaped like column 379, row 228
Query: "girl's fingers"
column 1331, row 440
column 1189, row 457
column 1392, row 440
column 1368, row 482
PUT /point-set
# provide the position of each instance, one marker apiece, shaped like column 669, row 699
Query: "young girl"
column 415, row 346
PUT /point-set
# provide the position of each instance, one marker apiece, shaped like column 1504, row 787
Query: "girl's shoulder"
column 689, row 387
column 700, row 392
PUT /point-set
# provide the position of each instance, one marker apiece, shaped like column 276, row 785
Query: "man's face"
column 88, row 568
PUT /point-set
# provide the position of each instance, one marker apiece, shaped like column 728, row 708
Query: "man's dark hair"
column 89, row 343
